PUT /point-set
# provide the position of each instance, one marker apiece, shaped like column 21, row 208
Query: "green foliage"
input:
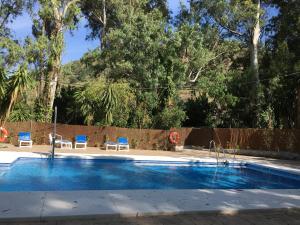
column 21, row 112
column 3, row 82
column 45, row 52
column 145, row 51
column 152, row 71
column 170, row 117
column 235, row 17
column 41, row 113
column 15, row 78
column 9, row 9
column 100, row 102
column 16, row 84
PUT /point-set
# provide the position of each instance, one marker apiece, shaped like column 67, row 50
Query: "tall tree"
column 54, row 18
column 287, row 33
column 144, row 50
column 240, row 19
column 102, row 14
column 282, row 63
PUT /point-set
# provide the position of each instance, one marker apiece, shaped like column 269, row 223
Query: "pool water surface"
column 35, row 174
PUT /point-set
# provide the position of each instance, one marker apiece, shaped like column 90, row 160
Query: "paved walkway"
column 252, row 217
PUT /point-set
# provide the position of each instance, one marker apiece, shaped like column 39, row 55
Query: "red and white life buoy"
column 174, row 137
column 4, row 133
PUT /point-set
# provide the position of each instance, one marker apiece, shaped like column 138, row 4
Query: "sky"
column 75, row 44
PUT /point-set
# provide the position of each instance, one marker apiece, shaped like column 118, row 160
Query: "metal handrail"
column 234, row 153
column 212, row 143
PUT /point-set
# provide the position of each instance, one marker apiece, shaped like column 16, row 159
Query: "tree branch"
column 227, row 28
column 56, row 12
column 97, row 17
column 65, row 10
column 197, row 75
column 203, row 67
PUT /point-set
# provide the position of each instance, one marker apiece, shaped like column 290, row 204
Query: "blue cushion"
column 80, row 138
column 24, row 136
column 123, row 140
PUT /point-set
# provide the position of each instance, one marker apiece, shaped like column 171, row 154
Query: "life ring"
column 4, row 134
column 174, row 137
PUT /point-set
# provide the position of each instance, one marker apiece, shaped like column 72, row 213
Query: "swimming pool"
column 61, row 174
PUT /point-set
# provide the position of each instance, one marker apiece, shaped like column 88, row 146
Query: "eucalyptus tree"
column 103, row 14
column 287, row 33
column 210, row 67
column 282, row 64
column 53, row 19
column 144, row 50
column 237, row 19
column 100, row 16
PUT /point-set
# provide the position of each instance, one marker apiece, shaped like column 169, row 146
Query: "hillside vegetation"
column 214, row 63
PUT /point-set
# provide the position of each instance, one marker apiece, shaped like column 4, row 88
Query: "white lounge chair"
column 111, row 144
column 64, row 144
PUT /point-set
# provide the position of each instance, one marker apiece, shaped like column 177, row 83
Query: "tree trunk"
column 104, row 24
column 55, row 68
column 254, row 65
column 6, row 114
column 52, row 90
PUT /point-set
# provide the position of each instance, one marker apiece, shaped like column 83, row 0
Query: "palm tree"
column 109, row 101
column 85, row 106
column 16, row 84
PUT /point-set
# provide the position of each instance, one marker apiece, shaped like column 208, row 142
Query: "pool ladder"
column 212, row 146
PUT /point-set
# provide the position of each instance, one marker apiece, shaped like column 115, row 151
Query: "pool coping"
column 58, row 204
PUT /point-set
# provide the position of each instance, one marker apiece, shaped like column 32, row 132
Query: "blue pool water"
column 28, row 174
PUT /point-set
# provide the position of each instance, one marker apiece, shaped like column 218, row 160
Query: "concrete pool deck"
column 45, row 205
column 136, row 203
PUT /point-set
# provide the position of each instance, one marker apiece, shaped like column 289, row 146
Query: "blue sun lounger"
column 25, row 138
column 80, row 140
column 123, row 143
